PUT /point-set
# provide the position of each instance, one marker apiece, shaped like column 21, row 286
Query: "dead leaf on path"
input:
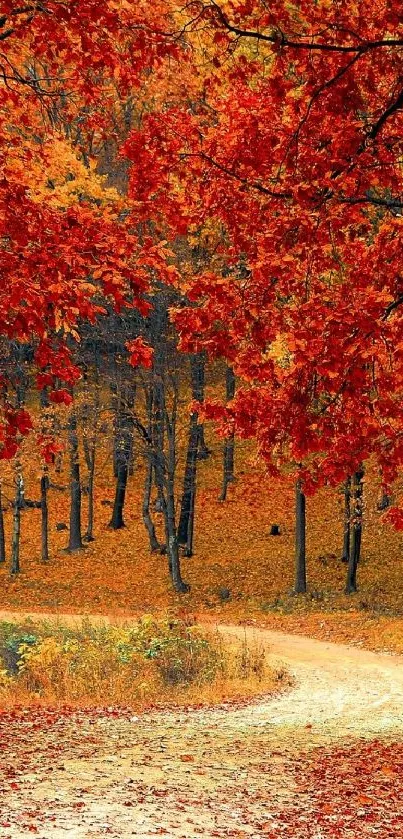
column 387, row 770
column 364, row 799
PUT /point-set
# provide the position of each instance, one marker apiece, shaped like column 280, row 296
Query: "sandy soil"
column 212, row 773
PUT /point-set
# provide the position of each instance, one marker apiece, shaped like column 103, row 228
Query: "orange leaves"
column 61, row 223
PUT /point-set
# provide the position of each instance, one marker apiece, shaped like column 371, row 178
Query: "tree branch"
column 278, row 37
column 392, row 306
column 251, row 184
column 397, row 105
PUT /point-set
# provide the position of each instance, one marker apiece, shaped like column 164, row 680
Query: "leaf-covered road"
column 323, row 760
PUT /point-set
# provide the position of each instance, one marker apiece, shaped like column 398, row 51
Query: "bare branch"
column 278, row 37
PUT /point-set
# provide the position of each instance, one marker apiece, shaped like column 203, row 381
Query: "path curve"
column 213, row 772
column 339, row 690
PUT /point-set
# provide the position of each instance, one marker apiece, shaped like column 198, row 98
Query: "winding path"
column 212, row 773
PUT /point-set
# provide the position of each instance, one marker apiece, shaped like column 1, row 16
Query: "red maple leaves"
column 299, row 168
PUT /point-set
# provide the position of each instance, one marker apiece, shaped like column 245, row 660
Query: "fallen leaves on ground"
column 90, row 769
column 238, row 573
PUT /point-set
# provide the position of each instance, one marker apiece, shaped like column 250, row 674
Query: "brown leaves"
column 336, row 792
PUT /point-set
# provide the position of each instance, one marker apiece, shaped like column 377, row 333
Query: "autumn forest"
column 201, row 429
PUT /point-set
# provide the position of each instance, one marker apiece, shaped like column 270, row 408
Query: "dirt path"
column 222, row 772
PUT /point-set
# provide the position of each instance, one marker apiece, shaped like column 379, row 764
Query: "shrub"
column 103, row 662
column 152, row 660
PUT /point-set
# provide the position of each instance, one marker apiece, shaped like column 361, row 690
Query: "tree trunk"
column 2, row 534
column 164, row 467
column 90, row 447
column 115, row 403
column 75, row 541
column 148, row 482
column 169, row 514
column 229, row 445
column 90, row 455
column 356, row 532
column 163, row 438
column 89, row 536
column 196, row 450
column 172, row 542
column 300, row 534
column 15, row 542
column 44, row 518
column 122, row 454
column 347, row 521
column 148, row 522
column 122, row 464
column 117, row 522
column 197, row 374
column 186, row 520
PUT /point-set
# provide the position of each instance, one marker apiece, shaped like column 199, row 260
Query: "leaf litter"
column 322, row 761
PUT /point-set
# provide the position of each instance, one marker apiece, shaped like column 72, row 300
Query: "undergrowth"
column 155, row 661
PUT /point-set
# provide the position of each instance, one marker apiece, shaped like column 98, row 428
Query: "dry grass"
column 151, row 662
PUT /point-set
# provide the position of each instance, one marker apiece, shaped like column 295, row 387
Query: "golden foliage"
column 66, row 177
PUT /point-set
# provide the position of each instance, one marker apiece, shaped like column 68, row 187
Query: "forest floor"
column 239, row 572
column 322, row 760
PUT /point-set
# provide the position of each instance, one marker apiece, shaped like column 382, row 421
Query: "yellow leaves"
column 45, row 655
column 62, row 325
column 279, row 349
column 64, row 180
column 5, row 680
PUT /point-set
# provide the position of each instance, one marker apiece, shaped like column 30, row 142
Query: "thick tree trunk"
column 163, row 437
column 229, row 445
column 172, row 542
column 356, row 532
column 15, row 541
column 347, row 521
column 122, row 463
column 90, row 448
column 300, row 536
column 2, row 534
column 166, row 495
column 117, row 522
column 75, row 540
column 115, row 404
column 44, row 518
